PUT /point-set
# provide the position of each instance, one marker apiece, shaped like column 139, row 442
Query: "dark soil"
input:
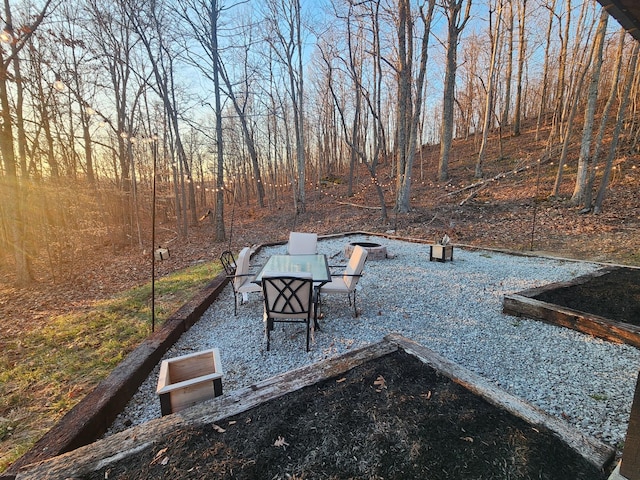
column 614, row 295
column 391, row 418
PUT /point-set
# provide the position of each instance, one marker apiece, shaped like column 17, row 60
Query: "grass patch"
column 48, row 371
column 600, row 397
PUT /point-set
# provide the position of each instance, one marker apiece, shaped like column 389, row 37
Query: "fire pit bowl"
column 375, row 251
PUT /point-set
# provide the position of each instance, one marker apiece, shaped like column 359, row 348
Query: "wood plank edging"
column 93, row 415
column 591, row 449
column 96, row 455
column 103, row 452
column 590, row 324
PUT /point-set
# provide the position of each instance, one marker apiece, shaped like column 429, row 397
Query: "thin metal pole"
column 154, row 150
column 233, row 211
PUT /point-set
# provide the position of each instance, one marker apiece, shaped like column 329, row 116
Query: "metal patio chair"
column 288, row 299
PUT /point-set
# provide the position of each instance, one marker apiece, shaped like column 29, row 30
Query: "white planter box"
column 441, row 253
column 190, row 379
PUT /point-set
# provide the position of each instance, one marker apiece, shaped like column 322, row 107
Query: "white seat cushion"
column 336, row 285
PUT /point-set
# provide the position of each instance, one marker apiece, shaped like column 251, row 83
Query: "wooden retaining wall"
column 102, row 453
column 522, row 304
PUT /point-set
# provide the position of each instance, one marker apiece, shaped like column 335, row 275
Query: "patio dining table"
column 316, row 265
column 284, row 265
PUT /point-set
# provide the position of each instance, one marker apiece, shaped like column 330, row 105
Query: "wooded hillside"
column 235, row 124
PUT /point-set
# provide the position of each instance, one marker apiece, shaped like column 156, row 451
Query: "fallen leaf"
column 380, row 383
column 218, row 428
column 427, row 395
column 160, row 453
column 280, row 442
column 341, row 380
column 467, row 439
column 232, row 422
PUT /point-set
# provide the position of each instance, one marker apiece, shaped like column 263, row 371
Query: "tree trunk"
column 592, row 96
column 489, row 106
column 404, row 103
column 22, row 136
column 16, row 222
column 23, row 272
column 581, row 58
column 454, row 28
column 517, row 114
column 298, row 108
column 219, row 221
column 624, row 101
column 567, row 136
column 604, row 120
column 560, row 107
column 545, row 71
column 509, row 74
column 415, row 108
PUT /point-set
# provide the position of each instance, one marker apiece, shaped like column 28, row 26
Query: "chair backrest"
column 242, row 267
column 355, row 267
column 228, row 262
column 302, row 243
column 288, row 296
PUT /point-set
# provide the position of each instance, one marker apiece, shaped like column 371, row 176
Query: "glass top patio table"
column 316, row 265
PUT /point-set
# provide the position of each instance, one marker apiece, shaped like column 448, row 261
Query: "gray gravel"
column 454, row 308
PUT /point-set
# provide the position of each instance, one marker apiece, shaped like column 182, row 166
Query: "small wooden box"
column 190, row 379
column 441, row 253
column 161, row 253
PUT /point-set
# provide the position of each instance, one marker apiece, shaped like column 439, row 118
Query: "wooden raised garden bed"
column 605, row 298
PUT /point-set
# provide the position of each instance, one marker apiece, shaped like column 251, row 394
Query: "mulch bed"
column 393, row 417
column 614, row 295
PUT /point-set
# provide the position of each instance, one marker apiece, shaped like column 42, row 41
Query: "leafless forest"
column 111, row 111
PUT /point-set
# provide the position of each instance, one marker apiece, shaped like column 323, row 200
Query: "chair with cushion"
column 302, row 243
column 241, row 279
column 228, row 263
column 288, row 299
column 347, row 281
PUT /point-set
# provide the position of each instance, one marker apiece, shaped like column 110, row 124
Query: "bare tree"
column 114, row 46
column 240, row 106
column 366, row 92
column 495, row 36
column 455, row 25
column 560, row 106
column 202, row 18
column 542, row 110
column 604, row 120
column 16, row 226
column 409, row 111
column 285, row 31
column 149, row 21
column 509, row 73
column 624, row 101
column 522, row 47
column 589, row 113
column 580, row 66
